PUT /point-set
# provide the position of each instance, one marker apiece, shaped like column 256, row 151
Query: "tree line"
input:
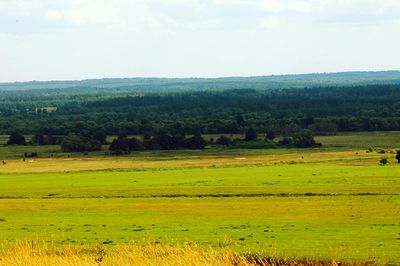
column 283, row 111
column 87, row 141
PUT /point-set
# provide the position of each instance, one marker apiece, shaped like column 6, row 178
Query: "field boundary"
column 245, row 195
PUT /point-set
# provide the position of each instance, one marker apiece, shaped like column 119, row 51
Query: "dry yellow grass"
column 40, row 254
column 141, row 162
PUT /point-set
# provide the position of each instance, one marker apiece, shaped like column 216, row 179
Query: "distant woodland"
column 277, row 111
column 322, row 110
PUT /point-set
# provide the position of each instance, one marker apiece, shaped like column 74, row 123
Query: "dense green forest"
column 322, row 110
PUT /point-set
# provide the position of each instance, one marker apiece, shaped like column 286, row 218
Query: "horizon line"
column 200, row 77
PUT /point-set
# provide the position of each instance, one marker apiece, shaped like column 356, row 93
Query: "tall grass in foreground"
column 38, row 253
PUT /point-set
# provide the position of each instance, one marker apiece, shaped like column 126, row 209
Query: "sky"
column 81, row 39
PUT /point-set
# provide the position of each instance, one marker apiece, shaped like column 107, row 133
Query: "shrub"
column 383, row 161
column 304, row 139
column 16, row 139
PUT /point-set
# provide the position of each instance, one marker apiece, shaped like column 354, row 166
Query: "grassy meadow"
column 334, row 202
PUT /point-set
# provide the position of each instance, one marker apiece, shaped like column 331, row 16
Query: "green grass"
column 361, row 140
column 294, row 179
column 349, row 227
column 318, row 203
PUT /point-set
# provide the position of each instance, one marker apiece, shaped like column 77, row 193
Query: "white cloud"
column 86, row 14
column 19, row 7
column 279, row 6
column 173, row 15
column 271, row 22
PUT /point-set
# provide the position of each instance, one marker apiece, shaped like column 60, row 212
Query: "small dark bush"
column 383, row 161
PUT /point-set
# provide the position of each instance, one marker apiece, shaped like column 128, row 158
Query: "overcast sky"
column 79, row 39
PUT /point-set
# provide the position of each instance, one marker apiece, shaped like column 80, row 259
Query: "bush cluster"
column 123, row 144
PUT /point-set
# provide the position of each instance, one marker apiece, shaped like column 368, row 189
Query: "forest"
column 324, row 110
column 175, row 113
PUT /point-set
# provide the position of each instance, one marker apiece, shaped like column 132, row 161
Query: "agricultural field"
column 333, row 202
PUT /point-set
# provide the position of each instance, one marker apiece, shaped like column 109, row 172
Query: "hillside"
column 193, row 84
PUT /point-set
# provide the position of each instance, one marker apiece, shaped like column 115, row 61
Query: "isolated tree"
column 398, row 156
column 304, row 139
column 251, row 134
column 16, row 139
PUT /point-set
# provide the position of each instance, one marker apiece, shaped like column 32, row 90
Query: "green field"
column 332, row 202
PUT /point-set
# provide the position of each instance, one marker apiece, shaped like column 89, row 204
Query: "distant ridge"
column 140, row 84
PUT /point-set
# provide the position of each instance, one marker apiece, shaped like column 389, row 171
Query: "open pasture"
column 290, row 179
column 361, row 140
column 334, row 202
column 361, row 228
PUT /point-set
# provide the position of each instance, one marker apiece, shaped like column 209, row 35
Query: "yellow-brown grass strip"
column 43, row 254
